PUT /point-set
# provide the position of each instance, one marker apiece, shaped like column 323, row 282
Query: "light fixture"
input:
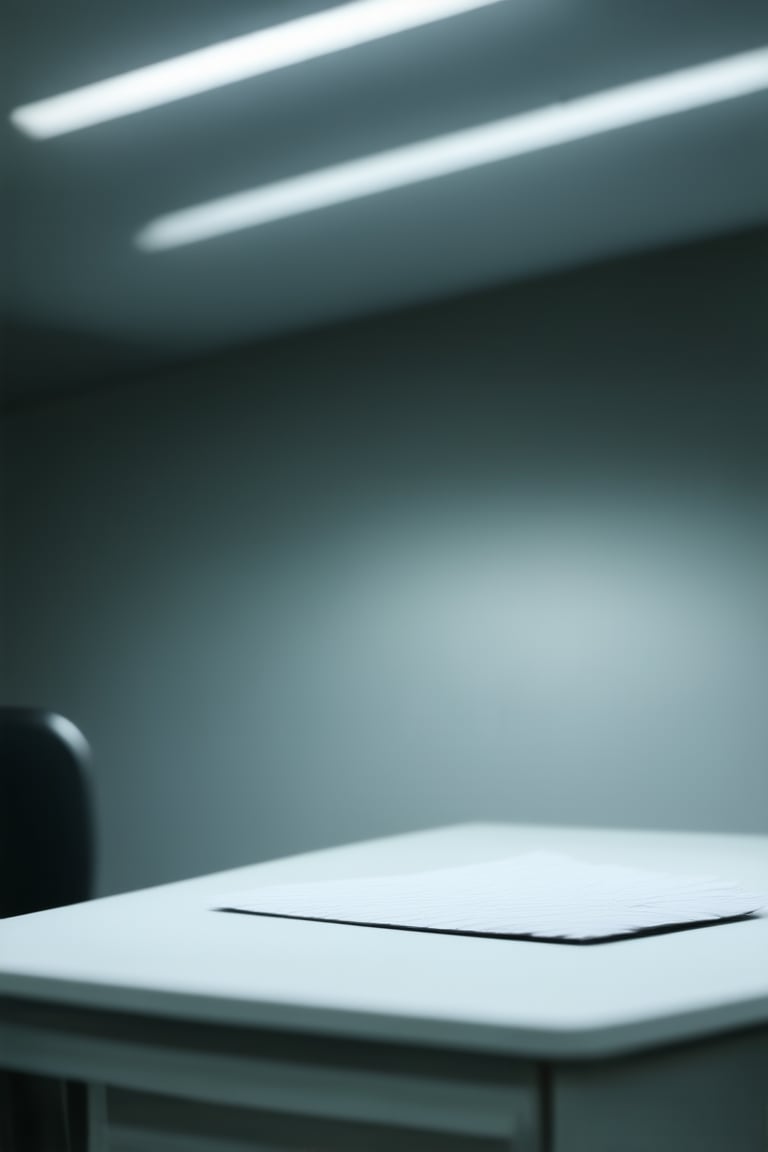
column 665, row 95
column 239, row 59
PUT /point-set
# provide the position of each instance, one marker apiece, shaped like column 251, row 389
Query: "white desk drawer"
column 173, row 1082
column 142, row 1122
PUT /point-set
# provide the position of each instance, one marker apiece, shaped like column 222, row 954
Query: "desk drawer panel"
column 263, row 1076
column 145, row 1122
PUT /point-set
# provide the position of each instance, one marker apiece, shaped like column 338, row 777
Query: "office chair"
column 46, row 860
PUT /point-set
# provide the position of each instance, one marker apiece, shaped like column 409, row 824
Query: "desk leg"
column 98, row 1131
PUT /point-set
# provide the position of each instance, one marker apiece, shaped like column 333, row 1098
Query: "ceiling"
column 81, row 303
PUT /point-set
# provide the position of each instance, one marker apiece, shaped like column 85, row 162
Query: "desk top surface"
column 164, row 951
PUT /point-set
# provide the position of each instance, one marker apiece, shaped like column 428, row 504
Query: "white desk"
column 202, row 1030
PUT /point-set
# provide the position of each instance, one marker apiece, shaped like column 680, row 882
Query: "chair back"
column 46, row 827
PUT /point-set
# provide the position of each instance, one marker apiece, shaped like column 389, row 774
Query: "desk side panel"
column 710, row 1096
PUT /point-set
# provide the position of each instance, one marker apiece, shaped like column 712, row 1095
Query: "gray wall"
column 504, row 557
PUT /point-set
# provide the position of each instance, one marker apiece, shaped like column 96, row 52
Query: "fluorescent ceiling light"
column 252, row 55
column 501, row 139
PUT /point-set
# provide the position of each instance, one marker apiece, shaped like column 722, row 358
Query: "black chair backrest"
column 46, row 832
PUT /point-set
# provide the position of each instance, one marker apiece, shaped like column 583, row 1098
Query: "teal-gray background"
column 504, row 557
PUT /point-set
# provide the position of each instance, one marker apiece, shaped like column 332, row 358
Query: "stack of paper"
column 539, row 895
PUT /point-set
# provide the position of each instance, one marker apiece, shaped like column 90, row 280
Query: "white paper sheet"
column 540, row 895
